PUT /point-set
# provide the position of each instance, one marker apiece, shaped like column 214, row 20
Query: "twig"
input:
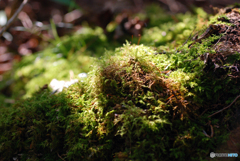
column 60, row 157
column 204, row 132
column 225, row 107
column 203, row 112
column 11, row 20
column 211, row 131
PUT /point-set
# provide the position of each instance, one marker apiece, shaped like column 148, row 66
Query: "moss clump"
column 34, row 129
column 136, row 104
column 126, row 109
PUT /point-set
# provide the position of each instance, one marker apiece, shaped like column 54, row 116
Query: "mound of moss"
column 126, row 109
column 137, row 103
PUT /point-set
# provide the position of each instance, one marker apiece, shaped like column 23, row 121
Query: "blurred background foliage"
column 76, row 51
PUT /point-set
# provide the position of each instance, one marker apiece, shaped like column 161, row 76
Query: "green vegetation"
column 139, row 102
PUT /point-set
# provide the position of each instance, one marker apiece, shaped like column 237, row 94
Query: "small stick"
column 60, row 157
column 211, row 131
column 225, row 107
column 204, row 132
column 139, row 39
column 11, row 20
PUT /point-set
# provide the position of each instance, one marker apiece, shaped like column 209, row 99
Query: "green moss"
column 35, row 125
column 119, row 108
column 217, row 20
column 136, row 104
column 165, row 32
column 79, row 48
column 71, row 53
